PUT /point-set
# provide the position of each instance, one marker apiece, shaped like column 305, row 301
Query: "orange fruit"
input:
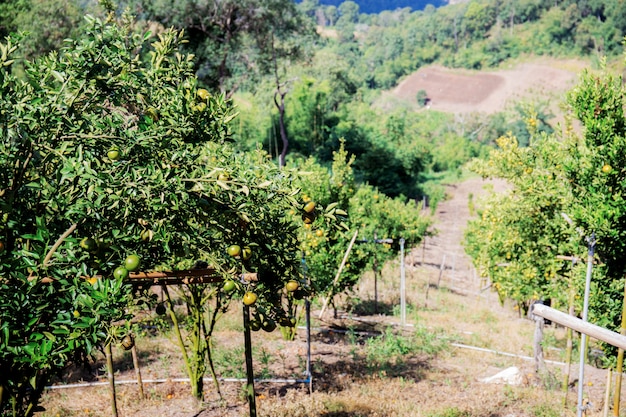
column 234, row 250
column 89, row 244
column 249, row 298
column 309, row 207
column 203, row 94
column 229, row 285
column 292, row 285
column 114, row 154
column 132, row 262
column 120, row 273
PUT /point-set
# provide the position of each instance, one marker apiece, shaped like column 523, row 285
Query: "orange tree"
column 575, row 176
column 370, row 212
column 521, row 232
column 113, row 160
column 594, row 168
column 242, row 205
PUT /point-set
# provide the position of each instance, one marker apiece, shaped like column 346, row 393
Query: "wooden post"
column 540, row 364
column 137, row 371
column 620, row 360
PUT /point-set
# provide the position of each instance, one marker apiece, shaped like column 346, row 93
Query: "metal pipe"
column 583, row 339
column 164, row 380
column 307, row 311
column 309, row 377
column 402, row 285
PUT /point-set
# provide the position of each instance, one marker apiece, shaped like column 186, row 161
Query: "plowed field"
column 463, row 91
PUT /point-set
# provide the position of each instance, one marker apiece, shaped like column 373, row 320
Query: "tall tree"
column 234, row 41
column 43, row 23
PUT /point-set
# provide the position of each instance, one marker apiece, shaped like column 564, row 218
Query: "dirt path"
column 446, row 247
column 459, row 276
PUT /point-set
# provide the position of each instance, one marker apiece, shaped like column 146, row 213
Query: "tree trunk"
column 111, row 376
column 281, row 122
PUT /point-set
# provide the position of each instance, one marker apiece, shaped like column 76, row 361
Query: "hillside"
column 375, row 6
column 464, row 91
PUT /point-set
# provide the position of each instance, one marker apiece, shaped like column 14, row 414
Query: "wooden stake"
column 375, row 268
column 343, row 264
column 137, row 371
column 607, row 395
column 570, row 342
column 249, row 368
column 441, row 268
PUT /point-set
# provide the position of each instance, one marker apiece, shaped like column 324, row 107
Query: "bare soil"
column 464, row 91
column 445, row 297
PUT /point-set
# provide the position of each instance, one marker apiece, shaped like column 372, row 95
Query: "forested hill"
column 377, row 6
column 333, row 82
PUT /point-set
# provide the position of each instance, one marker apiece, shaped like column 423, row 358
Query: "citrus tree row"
column 372, row 214
column 563, row 190
column 114, row 161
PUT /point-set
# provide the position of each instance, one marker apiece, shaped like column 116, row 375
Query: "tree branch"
column 58, row 243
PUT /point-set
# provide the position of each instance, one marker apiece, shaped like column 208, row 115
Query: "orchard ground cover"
column 436, row 380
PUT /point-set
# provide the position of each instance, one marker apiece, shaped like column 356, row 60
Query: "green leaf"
column 222, row 184
column 58, row 76
column 50, row 336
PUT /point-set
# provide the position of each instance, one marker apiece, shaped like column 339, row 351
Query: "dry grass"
column 352, row 375
column 443, row 384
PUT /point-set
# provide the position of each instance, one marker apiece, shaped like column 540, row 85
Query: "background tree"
column 44, row 24
column 234, row 42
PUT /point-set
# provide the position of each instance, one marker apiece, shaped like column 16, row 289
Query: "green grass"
column 450, row 412
column 391, row 350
